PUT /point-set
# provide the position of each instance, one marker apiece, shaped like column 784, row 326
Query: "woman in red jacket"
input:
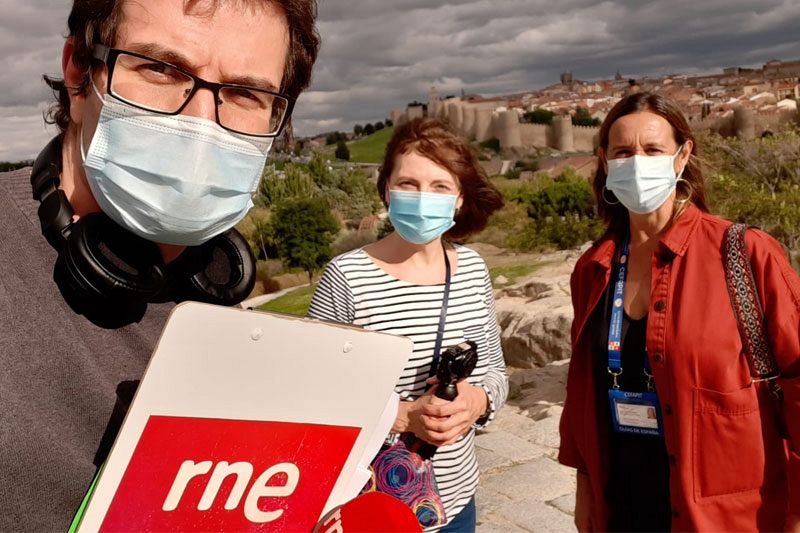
column 662, row 419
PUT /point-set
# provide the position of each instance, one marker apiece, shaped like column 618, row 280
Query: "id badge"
column 635, row 412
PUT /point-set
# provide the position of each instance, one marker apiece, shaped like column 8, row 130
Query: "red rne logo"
column 206, row 474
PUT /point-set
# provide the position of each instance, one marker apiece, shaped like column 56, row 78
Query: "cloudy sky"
column 378, row 55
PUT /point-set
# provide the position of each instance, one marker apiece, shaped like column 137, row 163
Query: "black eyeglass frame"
column 109, row 56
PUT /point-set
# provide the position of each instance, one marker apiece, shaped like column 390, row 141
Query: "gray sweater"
column 59, row 375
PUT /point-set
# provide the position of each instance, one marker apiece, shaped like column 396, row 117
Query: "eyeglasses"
column 157, row 86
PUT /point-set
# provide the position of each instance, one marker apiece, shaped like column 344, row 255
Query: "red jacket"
column 730, row 470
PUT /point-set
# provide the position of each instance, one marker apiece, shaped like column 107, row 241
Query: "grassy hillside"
column 296, row 302
column 293, row 303
column 370, row 149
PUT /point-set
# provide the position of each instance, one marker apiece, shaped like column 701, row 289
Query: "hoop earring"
column 688, row 196
column 603, row 194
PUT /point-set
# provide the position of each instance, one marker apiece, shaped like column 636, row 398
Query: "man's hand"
column 584, row 502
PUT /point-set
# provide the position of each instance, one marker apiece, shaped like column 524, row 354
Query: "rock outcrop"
column 535, row 313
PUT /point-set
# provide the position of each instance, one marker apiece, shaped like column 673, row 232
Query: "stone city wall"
column 746, row 123
column 585, row 138
column 485, row 120
column 535, row 134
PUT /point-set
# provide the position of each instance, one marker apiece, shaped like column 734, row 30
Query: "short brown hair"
column 92, row 21
column 693, row 188
column 433, row 139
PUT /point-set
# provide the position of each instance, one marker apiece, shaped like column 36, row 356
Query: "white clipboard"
column 232, row 367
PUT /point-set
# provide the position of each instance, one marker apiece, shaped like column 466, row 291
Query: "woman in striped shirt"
column 434, row 188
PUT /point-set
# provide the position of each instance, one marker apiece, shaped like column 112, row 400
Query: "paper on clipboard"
column 246, row 419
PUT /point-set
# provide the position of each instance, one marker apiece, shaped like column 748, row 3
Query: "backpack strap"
column 747, row 308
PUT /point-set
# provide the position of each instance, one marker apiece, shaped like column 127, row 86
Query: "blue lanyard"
column 615, row 326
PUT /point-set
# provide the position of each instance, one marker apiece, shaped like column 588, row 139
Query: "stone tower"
column 562, row 133
column 508, row 130
column 434, row 102
column 468, row 124
column 483, row 124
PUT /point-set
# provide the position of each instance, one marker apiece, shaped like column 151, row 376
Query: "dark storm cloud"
column 379, row 55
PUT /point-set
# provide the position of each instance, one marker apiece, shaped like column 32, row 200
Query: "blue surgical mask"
column 643, row 183
column 420, row 217
column 171, row 179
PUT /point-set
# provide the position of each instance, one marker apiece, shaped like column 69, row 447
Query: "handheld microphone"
column 373, row 511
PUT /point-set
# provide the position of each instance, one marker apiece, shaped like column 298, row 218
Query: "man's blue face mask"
column 171, row 179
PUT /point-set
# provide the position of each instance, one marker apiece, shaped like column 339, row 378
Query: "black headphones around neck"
column 101, row 264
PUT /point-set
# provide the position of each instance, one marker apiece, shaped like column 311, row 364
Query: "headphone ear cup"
column 106, row 262
column 221, row 271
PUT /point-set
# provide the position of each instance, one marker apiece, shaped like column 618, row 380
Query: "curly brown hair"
column 433, row 139
column 97, row 21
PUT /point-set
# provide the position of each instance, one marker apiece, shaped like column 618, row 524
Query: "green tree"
column 369, row 129
column 538, row 116
column 379, row 126
column 358, row 129
column 389, row 123
column 303, row 230
column 261, row 238
column 758, row 182
column 342, row 152
column 560, row 213
column 355, row 197
column 322, row 174
column 294, row 182
column 582, row 117
column 491, row 144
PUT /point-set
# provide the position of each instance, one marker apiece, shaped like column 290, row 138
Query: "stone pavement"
column 522, row 486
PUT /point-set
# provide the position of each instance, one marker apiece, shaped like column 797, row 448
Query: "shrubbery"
column 491, row 144
column 538, row 116
column 758, row 182
column 342, row 152
column 348, row 192
column 582, row 117
column 345, row 194
column 303, row 230
column 544, row 213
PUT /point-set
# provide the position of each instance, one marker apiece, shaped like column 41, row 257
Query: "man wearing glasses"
column 167, row 112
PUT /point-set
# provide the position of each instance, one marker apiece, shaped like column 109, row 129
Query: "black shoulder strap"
column 437, row 348
column 747, row 307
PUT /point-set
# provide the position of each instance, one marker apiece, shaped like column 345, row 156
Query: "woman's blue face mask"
column 421, row 217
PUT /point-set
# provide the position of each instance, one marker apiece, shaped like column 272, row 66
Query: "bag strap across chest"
column 747, row 308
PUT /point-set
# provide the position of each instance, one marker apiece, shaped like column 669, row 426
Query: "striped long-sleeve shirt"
column 355, row 290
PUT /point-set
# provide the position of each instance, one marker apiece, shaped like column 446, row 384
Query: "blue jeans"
column 464, row 522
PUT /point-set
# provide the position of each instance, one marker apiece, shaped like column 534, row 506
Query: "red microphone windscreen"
column 373, row 511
